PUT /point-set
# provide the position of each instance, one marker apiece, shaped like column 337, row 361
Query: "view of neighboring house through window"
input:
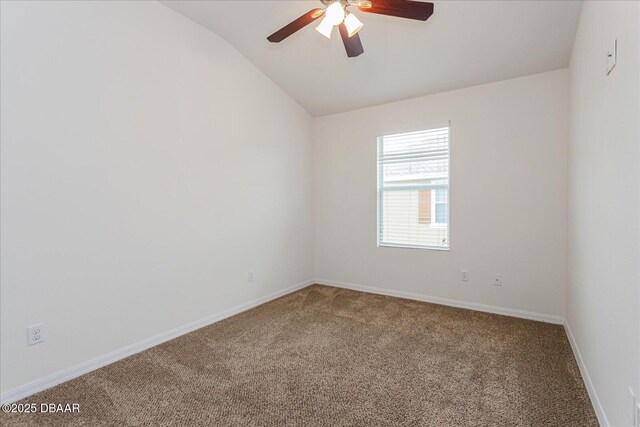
column 413, row 189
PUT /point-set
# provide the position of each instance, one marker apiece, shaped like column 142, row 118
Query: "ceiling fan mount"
column 359, row 3
column 336, row 13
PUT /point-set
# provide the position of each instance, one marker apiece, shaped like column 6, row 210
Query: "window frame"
column 379, row 191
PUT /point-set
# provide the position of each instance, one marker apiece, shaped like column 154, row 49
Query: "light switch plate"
column 612, row 56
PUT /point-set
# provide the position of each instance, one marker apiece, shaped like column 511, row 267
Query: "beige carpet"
column 331, row 357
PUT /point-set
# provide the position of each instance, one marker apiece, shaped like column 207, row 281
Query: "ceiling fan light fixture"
column 353, row 24
column 335, row 13
column 325, row 27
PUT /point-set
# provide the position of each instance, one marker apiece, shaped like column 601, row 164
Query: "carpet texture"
column 324, row 356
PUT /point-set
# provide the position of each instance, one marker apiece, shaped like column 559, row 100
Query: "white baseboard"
column 595, row 402
column 96, row 363
column 75, row 371
column 541, row 317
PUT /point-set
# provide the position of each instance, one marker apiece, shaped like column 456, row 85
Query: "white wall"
column 603, row 294
column 508, row 195
column 146, row 166
column 144, row 157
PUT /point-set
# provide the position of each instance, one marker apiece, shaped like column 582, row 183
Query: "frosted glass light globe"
column 353, row 24
column 335, row 13
column 325, row 27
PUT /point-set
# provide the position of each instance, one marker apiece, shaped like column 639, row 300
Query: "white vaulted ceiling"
column 464, row 43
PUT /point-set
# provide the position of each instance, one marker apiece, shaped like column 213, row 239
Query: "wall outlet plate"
column 35, row 334
column 250, row 276
column 497, row 281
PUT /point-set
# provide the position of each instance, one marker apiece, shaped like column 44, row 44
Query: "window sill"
column 399, row 245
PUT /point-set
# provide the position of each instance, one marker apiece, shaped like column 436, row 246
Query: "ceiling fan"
column 336, row 13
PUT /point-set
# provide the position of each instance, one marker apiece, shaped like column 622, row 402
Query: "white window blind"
column 413, row 189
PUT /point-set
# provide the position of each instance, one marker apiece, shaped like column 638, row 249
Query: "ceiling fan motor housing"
column 359, row 3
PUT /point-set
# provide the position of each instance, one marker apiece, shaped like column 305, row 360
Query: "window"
column 413, row 189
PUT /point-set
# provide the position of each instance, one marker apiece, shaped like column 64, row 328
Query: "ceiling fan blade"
column 352, row 44
column 294, row 26
column 401, row 8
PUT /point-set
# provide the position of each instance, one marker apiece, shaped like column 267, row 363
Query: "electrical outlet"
column 35, row 334
column 464, row 275
column 250, row 276
column 497, row 281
